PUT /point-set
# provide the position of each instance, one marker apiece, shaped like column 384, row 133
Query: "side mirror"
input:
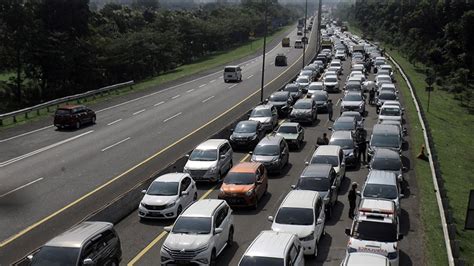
column 283, row 152
column 347, row 231
column 250, row 152
column 333, row 187
column 184, row 193
column 29, row 258
column 167, row 228
column 88, row 261
column 144, row 191
column 306, row 163
column 222, row 157
column 218, row 231
column 270, row 218
column 293, row 186
column 187, row 155
column 259, row 182
column 319, row 221
column 400, row 237
column 231, row 130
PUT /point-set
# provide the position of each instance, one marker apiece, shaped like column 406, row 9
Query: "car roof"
column 203, row 208
column 78, row 234
column 253, row 122
column 388, row 85
column 232, row 66
column 300, row 199
column 345, row 119
column 271, row 140
column 70, row 107
column 341, row 135
column 292, row 124
column 381, row 177
column 291, row 85
column 327, row 150
column 211, row 144
column 363, row 259
column 316, row 170
column 383, row 76
column 245, row 167
column 270, row 244
column 171, row 177
column 350, row 114
column 377, row 206
column 386, row 153
column 385, row 129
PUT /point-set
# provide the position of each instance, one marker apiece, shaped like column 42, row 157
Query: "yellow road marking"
column 147, row 248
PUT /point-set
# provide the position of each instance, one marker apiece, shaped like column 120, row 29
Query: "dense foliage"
column 437, row 33
column 54, row 48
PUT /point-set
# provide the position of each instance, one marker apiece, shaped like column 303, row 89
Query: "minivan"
column 272, row 152
column 385, row 136
column 88, row 243
column 232, row 73
column 73, row 116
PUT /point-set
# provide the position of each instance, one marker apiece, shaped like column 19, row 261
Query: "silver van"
column 232, row 73
column 88, row 243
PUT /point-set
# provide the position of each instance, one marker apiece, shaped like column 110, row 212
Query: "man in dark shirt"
column 330, row 110
column 352, row 200
column 361, row 150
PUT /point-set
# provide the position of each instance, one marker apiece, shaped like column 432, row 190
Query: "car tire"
column 255, row 206
column 195, row 197
column 212, row 259
column 179, row 211
column 230, row 238
column 78, row 124
column 329, row 212
column 265, row 192
column 93, row 120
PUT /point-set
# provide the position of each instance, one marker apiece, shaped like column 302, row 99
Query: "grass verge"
column 203, row 64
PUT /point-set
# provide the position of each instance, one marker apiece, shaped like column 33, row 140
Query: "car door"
column 185, row 186
column 342, row 162
column 223, row 158
column 222, row 221
column 319, row 215
column 333, row 192
column 296, row 255
column 274, row 116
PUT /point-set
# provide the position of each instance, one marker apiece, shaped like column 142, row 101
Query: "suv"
column 209, row 160
column 272, row 152
column 281, row 60
column 375, row 230
column 385, row 136
column 87, row 243
column 387, row 160
column 301, row 213
column 266, row 114
column 232, row 73
column 320, row 178
column 331, row 83
column 353, row 101
column 167, row 196
column 246, row 133
column 293, row 133
column 199, row 234
column 333, row 155
column 382, row 185
column 244, row 185
column 295, row 90
column 304, row 110
column 273, row 248
column 73, row 116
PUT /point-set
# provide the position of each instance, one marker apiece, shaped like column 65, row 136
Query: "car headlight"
column 351, row 250
column 250, row 192
column 213, row 170
column 169, row 205
column 308, row 237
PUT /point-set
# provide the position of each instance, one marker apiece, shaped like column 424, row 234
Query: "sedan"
column 385, row 96
column 304, row 110
column 293, row 133
column 266, row 114
column 246, row 134
column 345, row 124
column 321, row 99
column 314, row 87
column 353, row 101
column 359, row 119
column 294, row 89
column 331, row 83
column 304, row 81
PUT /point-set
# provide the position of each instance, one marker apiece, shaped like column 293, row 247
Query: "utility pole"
column 262, row 83
column 304, row 32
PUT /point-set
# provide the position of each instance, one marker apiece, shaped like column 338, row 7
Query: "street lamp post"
column 262, row 83
column 304, row 31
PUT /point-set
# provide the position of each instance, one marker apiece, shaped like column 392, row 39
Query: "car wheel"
column 231, row 164
column 266, row 190
column 255, row 206
column 230, row 238
column 78, row 124
column 212, row 260
column 178, row 212
column 93, row 120
column 298, row 145
column 195, row 196
column 329, row 212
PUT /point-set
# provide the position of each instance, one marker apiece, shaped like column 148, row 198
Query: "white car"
column 210, row 160
column 267, row 115
column 314, row 87
column 375, row 229
column 381, row 79
column 331, row 83
column 363, row 259
column 333, row 155
column 167, row 196
column 390, row 112
column 199, row 234
column 340, row 55
column 303, row 81
column 302, row 213
column 383, row 185
column 390, row 87
column 273, row 248
column 336, row 64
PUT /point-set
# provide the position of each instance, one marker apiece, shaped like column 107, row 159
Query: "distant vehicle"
column 293, row 133
column 387, row 160
column 390, row 112
column 73, row 246
column 285, row 42
column 167, row 196
column 345, row 123
column 362, row 258
column 385, row 96
column 199, row 234
column 303, row 82
column 281, row 60
column 299, row 44
column 359, row 119
column 266, row 114
column 326, row 44
column 304, row 40
column 299, row 33
column 73, row 116
column 304, row 110
column 314, row 87
column 273, row 152
column 246, row 133
column 331, row 83
column 385, row 136
column 382, row 185
column 353, row 101
column 232, row 73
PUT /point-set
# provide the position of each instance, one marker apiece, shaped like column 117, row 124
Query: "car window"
column 185, row 183
column 317, row 209
column 91, row 249
column 220, row 216
column 294, row 253
column 223, row 149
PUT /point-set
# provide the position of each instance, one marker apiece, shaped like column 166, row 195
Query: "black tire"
column 329, row 212
column 255, row 206
column 230, row 238
column 78, row 124
column 266, row 190
column 179, row 211
column 212, row 260
column 93, row 120
column 195, row 196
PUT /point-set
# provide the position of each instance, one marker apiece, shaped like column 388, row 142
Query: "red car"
column 73, row 116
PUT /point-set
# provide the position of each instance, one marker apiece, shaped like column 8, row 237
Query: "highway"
column 52, row 179
column 141, row 241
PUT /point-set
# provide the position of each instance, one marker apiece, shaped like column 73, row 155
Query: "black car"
column 321, row 178
column 246, row 134
column 282, row 100
column 73, row 116
column 281, row 60
column 347, row 143
column 295, row 91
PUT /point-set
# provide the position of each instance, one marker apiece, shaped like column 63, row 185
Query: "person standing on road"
column 352, row 197
column 330, row 109
column 372, row 96
column 361, row 149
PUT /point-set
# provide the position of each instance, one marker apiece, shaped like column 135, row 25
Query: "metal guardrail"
column 76, row 97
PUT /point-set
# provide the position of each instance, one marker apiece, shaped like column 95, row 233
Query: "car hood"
column 299, row 230
column 262, row 120
column 200, row 165
column 242, row 135
column 300, row 111
column 186, row 241
column 158, row 200
column 288, row 135
column 263, row 159
column 352, row 103
column 232, row 188
column 277, row 103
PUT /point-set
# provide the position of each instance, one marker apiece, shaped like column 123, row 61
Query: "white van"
column 232, row 73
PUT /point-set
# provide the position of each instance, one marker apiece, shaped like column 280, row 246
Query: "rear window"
column 230, row 69
column 314, row 184
column 240, row 178
column 63, row 111
column 295, row 216
column 278, row 98
column 261, row 261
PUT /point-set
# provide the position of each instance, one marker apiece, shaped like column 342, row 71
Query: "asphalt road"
column 141, row 241
column 50, row 180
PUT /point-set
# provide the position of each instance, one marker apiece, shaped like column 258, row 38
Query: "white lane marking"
column 24, row 156
column 191, row 90
column 169, row 118
column 200, row 86
column 113, row 122
column 212, row 81
column 20, row 187
column 338, row 102
column 208, row 99
column 26, row 133
column 175, row 97
column 233, row 86
column 249, row 77
column 160, row 103
column 115, row 144
column 137, row 112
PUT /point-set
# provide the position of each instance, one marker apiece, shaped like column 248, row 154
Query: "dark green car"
column 293, row 133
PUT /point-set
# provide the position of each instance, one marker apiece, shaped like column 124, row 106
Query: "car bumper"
column 184, row 258
column 169, row 213
column 238, row 200
column 243, row 142
column 204, row 177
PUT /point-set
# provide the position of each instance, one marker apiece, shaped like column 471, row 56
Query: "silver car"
column 266, row 114
column 304, row 110
column 353, row 101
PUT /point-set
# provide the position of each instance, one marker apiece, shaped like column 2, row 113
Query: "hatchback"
column 272, row 152
column 304, row 110
column 282, row 100
column 295, row 90
column 321, row 99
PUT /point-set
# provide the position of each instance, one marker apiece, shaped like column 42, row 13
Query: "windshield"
column 163, row 189
column 278, row 98
column 387, row 96
column 302, row 105
column 386, row 164
column 288, row 129
column 246, row 128
column 326, row 159
column 353, row 86
column 292, row 88
column 306, row 73
column 390, row 111
column 380, row 191
column 50, row 256
column 343, row 143
column 339, row 125
column 261, row 113
column 352, row 97
column 330, row 79
column 192, row 225
column 315, row 87
column 203, row 155
column 295, row 216
column 302, row 80
column 320, row 97
column 63, row 112
column 314, row 184
column 382, row 140
column 267, row 150
column 261, row 261
column 375, row 231
column 240, row 178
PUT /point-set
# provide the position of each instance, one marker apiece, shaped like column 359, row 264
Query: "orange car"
column 245, row 184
